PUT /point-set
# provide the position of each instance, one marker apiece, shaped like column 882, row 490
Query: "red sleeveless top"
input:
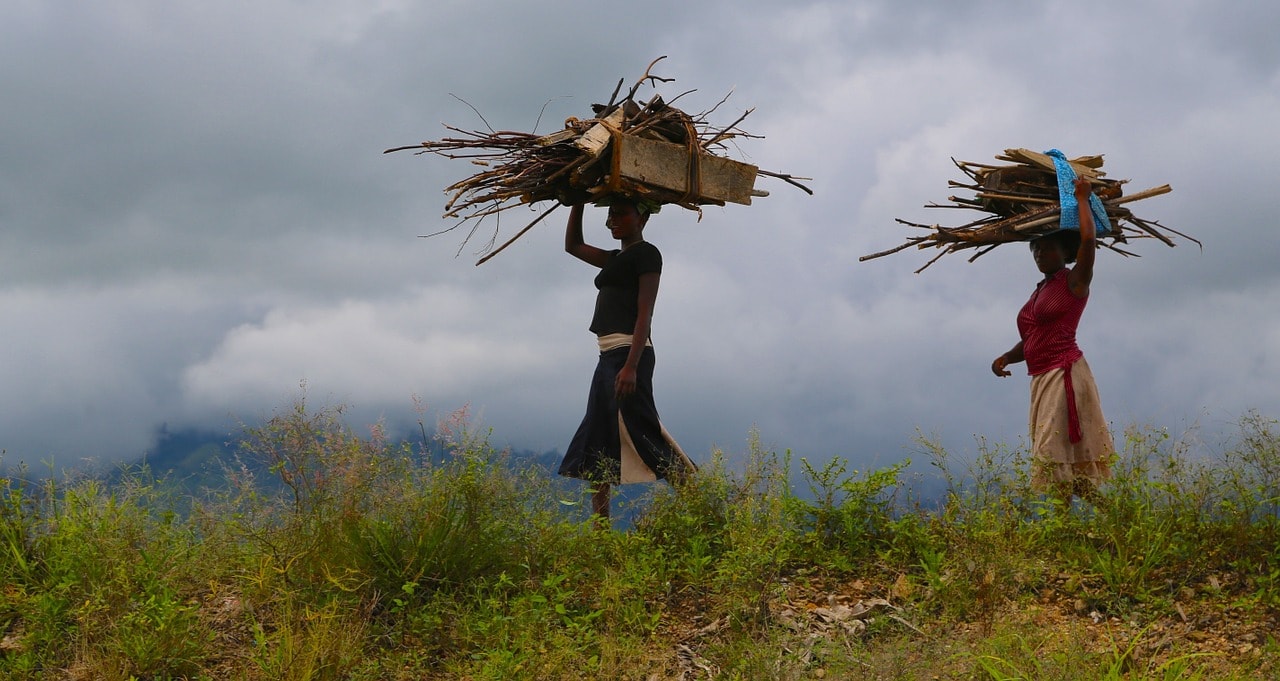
column 1047, row 325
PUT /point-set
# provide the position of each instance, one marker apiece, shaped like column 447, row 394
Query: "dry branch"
column 1022, row 203
column 646, row 150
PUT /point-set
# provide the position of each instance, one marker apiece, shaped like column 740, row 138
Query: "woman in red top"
column 1071, row 446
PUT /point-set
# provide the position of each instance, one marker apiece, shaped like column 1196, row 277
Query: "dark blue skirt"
column 595, row 452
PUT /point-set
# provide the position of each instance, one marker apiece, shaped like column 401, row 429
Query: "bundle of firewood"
column 646, row 150
column 1021, row 201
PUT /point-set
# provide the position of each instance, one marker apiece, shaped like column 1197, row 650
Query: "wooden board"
column 666, row 165
column 595, row 139
column 1085, row 166
column 556, row 137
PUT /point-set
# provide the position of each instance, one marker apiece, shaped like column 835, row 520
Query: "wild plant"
column 1249, row 509
column 103, row 574
column 848, row 518
column 690, row 521
column 18, row 518
column 305, row 642
column 760, row 538
column 1016, row 656
column 1143, row 536
column 729, row 531
column 360, row 525
column 972, row 553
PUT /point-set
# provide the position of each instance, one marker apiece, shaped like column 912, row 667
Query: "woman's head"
column 628, row 216
column 627, row 210
column 1054, row 251
column 626, row 220
column 643, row 207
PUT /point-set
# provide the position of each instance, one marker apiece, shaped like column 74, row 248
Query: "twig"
column 891, row 251
column 613, row 97
column 543, row 110
column 486, row 123
column 518, row 235
column 983, row 251
column 788, row 179
column 635, row 88
column 726, row 130
column 935, row 259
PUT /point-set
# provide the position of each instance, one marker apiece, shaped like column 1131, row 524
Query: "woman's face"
column 1048, row 255
column 624, row 221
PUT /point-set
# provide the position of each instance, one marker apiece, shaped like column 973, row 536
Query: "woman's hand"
column 998, row 366
column 1082, row 189
column 1013, row 356
column 625, row 384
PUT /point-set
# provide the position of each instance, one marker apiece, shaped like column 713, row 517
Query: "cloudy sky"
column 196, row 217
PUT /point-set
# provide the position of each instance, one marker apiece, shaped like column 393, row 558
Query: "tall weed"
column 104, row 575
column 851, row 513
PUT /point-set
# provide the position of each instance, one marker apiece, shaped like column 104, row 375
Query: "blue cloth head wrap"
column 1070, row 218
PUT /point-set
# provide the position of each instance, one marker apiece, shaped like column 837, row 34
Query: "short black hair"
column 1067, row 239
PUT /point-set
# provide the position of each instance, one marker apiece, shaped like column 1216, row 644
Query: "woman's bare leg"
column 600, row 501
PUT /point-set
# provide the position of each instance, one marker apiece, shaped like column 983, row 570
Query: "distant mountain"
column 190, row 458
column 197, row 460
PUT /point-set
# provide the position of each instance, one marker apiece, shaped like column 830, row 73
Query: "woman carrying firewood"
column 1070, row 444
column 621, row 439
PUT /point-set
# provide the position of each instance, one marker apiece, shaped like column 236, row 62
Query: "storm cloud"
column 196, row 218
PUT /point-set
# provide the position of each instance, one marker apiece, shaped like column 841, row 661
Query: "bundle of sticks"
column 643, row 150
column 1021, row 200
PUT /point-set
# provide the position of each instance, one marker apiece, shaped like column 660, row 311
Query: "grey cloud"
column 197, row 215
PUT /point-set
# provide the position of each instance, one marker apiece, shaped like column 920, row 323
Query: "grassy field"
column 329, row 555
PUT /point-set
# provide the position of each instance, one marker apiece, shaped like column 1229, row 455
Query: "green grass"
column 357, row 558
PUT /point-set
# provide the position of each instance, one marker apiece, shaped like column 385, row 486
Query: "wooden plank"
column 596, row 138
column 556, row 137
column 1046, row 161
column 666, row 165
column 1145, row 194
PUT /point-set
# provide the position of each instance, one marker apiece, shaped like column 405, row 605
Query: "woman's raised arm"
column 574, row 244
column 1082, row 273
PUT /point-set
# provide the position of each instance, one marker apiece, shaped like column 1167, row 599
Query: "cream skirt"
column 1055, row 459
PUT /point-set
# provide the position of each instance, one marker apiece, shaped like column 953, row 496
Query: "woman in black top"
column 621, row 438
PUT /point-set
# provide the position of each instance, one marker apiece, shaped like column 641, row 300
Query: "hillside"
column 342, row 557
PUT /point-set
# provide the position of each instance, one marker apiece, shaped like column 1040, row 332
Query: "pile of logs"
column 643, row 150
column 1022, row 203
